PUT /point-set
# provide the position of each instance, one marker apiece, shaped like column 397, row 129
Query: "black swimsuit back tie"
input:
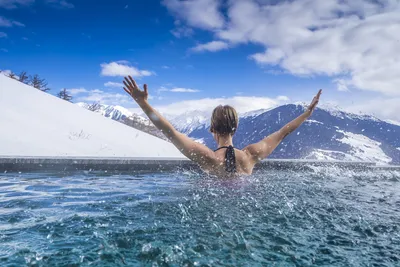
column 230, row 158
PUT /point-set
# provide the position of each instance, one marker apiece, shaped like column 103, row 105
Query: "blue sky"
column 244, row 52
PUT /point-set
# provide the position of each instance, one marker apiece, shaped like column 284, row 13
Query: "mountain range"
column 329, row 134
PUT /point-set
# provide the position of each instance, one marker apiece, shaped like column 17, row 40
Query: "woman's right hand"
column 134, row 91
column 314, row 102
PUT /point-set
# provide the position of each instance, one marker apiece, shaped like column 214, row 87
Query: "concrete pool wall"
column 20, row 164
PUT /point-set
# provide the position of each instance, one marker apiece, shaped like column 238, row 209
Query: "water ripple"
column 320, row 217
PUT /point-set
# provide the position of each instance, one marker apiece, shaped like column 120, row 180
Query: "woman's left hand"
column 133, row 90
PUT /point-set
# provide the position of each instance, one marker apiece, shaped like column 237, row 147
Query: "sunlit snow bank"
column 362, row 148
column 365, row 148
column 34, row 123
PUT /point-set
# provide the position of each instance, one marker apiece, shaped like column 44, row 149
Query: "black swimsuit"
column 230, row 158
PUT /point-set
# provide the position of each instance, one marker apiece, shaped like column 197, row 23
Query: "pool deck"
column 20, row 164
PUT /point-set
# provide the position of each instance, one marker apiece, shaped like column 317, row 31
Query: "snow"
column 364, row 148
column 393, row 122
column 253, row 113
column 116, row 112
column 314, row 121
column 34, row 123
column 190, row 121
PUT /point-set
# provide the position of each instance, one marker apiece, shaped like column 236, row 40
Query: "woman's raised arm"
column 191, row 149
column 265, row 147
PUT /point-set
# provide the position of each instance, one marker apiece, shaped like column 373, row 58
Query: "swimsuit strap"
column 230, row 158
column 221, row 148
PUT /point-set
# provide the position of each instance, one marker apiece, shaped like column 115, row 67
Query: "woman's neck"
column 224, row 140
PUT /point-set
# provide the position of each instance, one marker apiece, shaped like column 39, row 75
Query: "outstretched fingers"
column 129, row 92
column 133, row 82
column 128, row 83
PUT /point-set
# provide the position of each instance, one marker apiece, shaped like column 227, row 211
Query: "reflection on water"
column 324, row 216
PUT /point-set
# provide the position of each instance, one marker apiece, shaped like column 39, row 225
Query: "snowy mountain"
column 124, row 116
column 34, row 123
column 330, row 134
column 116, row 113
column 189, row 121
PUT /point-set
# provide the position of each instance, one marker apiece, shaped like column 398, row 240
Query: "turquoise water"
column 320, row 217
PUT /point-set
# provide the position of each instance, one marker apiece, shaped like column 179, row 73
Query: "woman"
column 226, row 160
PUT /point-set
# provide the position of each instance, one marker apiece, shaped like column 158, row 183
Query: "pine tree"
column 94, row 107
column 12, row 75
column 39, row 83
column 63, row 94
column 23, row 77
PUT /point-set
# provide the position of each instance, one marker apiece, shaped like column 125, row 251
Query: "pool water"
column 319, row 217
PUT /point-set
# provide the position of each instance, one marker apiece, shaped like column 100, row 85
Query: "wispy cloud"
column 60, row 4
column 12, row 4
column 198, row 13
column 184, row 90
column 181, row 31
column 177, row 90
column 96, row 95
column 113, row 84
column 241, row 103
column 77, row 91
column 211, row 46
column 3, row 35
column 3, row 50
column 122, row 68
column 381, row 107
column 4, row 22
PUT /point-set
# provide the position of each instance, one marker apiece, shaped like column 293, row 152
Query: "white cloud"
column 60, row 4
column 3, row 35
column 241, row 103
column 283, row 98
column 12, row 4
column 354, row 41
column 182, row 31
column 198, row 13
column 383, row 108
column 177, row 90
column 113, row 84
column 4, row 22
column 122, row 68
column 342, row 85
column 211, row 46
column 104, row 97
column 184, row 90
column 166, row 67
column 77, row 91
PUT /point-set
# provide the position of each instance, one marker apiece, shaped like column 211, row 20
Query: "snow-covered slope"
column 34, row 123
